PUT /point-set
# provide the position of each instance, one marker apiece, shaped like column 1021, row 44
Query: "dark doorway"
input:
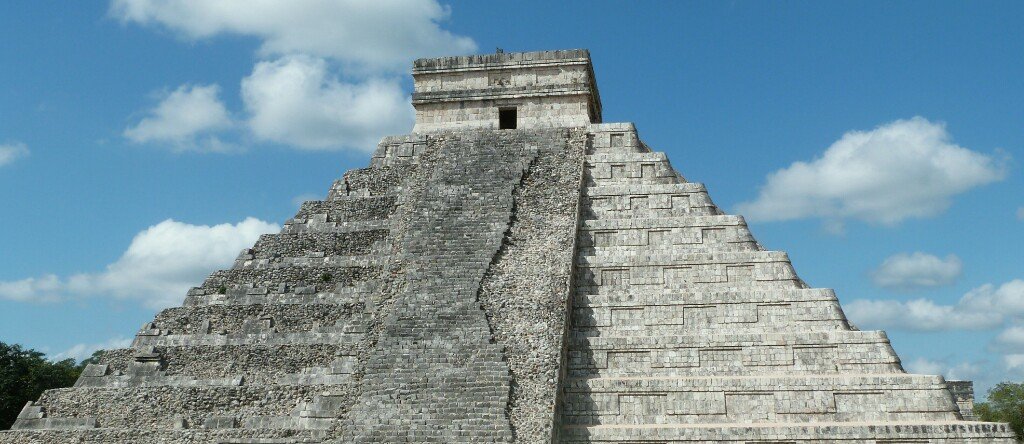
column 507, row 118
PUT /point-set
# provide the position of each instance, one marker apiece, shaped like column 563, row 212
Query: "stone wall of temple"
column 547, row 89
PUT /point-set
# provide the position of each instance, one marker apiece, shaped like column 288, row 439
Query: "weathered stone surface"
column 557, row 282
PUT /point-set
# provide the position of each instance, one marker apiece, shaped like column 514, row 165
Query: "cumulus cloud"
column 160, row 265
column 327, row 78
column 42, row 289
column 182, row 117
column 983, row 308
column 81, row 351
column 296, row 101
column 372, row 35
column 1007, row 298
column 900, row 170
column 960, row 371
column 913, row 271
column 1014, row 362
column 918, row 315
column 10, row 152
column 1011, row 338
column 988, row 307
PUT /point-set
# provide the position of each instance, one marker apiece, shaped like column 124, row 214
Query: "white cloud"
column 81, row 351
column 182, row 117
column 960, row 371
column 983, row 308
column 296, row 101
column 160, row 265
column 1014, row 362
column 987, row 307
column 912, row 271
column 43, row 289
column 10, row 152
column 918, row 315
column 1006, row 299
column 374, row 35
column 1011, row 338
column 903, row 169
column 924, row 366
column 327, row 80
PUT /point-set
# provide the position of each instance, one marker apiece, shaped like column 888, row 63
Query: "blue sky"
column 144, row 143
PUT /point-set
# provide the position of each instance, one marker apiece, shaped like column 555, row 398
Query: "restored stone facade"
column 556, row 282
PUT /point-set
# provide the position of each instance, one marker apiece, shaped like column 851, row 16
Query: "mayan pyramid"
column 512, row 271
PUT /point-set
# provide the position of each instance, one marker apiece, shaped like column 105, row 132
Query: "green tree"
column 1005, row 404
column 92, row 359
column 25, row 374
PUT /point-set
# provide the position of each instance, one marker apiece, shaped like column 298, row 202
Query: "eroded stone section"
column 525, row 291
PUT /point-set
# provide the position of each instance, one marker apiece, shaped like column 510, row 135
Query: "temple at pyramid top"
column 540, row 89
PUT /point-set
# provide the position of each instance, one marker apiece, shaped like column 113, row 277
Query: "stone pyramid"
column 512, row 271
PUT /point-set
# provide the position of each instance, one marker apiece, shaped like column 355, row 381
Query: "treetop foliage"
column 26, row 373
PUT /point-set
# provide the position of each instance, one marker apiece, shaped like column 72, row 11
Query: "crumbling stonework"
column 556, row 282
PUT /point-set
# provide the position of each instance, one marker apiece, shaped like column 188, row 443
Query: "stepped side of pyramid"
column 266, row 351
column 685, row 330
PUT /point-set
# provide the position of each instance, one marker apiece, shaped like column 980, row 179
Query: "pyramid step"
column 284, row 294
column 338, row 373
column 257, row 364
column 629, row 167
column 601, row 213
column 733, row 327
column 722, row 233
column 251, row 318
column 681, row 269
column 352, row 243
column 685, row 221
column 670, row 257
column 686, row 188
column 646, row 201
column 626, row 156
column 320, row 225
column 629, row 176
column 342, row 335
column 376, row 259
column 321, row 278
column 657, row 243
column 588, row 287
column 372, row 181
column 167, row 407
column 874, row 432
column 758, row 399
column 195, row 435
column 642, row 317
column 733, row 354
column 351, row 209
column 622, row 297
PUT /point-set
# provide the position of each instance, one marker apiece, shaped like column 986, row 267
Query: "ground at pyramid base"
column 512, row 271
